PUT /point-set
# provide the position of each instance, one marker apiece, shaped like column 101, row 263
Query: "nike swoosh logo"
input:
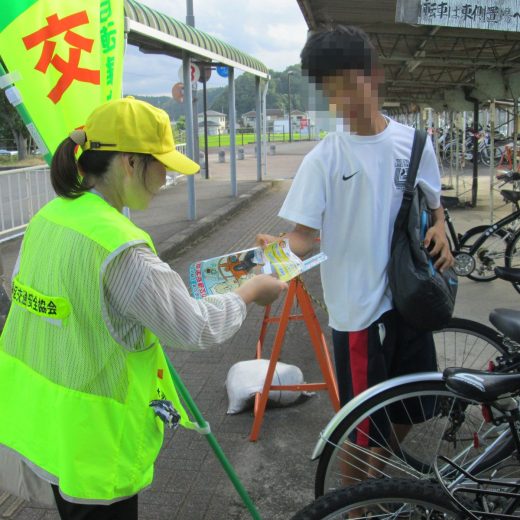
column 350, row 176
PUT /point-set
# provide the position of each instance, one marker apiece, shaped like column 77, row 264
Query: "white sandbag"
column 246, row 378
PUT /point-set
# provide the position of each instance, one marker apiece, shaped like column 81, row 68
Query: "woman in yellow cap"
column 84, row 385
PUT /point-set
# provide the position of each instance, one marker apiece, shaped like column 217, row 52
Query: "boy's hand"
column 436, row 236
column 262, row 239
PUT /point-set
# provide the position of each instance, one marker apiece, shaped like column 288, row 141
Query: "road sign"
column 207, row 70
column 223, row 70
column 194, row 73
column 178, row 92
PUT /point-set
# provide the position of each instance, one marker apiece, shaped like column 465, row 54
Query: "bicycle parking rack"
column 295, row 294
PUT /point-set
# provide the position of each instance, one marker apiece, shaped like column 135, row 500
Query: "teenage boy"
column 348, row 190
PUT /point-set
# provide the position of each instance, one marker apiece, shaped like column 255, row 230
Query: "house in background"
column 277, row 120
column 216, row 122
column 273, row 114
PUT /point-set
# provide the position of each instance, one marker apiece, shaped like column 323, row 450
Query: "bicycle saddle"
column 479, row 385
column 507, row 321
column 510, row 195
column 509, row 274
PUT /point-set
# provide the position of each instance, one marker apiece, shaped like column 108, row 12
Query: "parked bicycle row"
column 455, row 146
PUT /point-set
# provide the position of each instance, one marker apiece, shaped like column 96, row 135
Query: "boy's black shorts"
column 387, row 348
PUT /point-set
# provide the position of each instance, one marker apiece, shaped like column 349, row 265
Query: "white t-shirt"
column 350, row 188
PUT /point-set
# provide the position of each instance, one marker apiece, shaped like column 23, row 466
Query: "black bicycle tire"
column 367, row 408
column 420, row 492
column 478, row 329
column 509, row 254
column 364, row 407
column 477, row 230
column 456, row 324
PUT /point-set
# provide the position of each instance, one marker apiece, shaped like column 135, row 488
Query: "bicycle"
column 424, row 408
column 483, row 248
column 509, row 274
column 460, row 490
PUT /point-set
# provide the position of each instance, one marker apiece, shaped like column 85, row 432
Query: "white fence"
column 23, row 191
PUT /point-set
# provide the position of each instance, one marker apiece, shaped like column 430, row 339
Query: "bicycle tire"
column 486, row 155
column 440, row 424
column 466, row 343
column 383, row 498
column 491, row 253
column 513, row 257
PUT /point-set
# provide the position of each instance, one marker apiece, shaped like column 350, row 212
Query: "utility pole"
column 289, row 74
column 190, row 20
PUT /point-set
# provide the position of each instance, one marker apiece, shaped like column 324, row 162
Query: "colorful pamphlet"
column 225, row 273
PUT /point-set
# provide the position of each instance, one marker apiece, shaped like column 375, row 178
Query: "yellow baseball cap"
column 130, row 125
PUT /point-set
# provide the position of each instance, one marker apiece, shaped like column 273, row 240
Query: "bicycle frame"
column 454, row 237
column 506, row 444
column 502, row 223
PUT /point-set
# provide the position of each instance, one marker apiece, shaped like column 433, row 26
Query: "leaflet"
column 226, row 273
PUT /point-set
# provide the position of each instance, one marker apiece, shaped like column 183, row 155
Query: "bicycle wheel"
column 399, row 431
column 468, row 344
column 489, row 255
column 383, row 498
column 486, row 155
column 513, row 257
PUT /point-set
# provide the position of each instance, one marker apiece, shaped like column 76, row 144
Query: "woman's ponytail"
column 65, row 177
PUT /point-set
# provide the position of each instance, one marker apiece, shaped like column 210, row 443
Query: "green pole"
column 26, row 118
column 192, row 407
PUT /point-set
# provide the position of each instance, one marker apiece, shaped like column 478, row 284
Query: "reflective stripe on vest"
column 76, row 401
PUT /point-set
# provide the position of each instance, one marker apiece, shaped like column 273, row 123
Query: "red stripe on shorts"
column 358, row 346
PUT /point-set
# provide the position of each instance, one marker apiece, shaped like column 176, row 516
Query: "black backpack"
column 423, row 296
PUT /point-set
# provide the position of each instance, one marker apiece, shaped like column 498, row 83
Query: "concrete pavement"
column 189, row 483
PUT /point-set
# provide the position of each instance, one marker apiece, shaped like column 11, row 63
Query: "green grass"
column 245, row 139
column 33, row 160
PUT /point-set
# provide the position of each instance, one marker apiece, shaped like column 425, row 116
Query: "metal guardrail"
column 23, row 191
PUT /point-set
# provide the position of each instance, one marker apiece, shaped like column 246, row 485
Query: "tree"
column 11, row 120
column 180, row 125
column 277, row 92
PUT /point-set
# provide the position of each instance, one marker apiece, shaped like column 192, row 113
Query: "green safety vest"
column 74, row 401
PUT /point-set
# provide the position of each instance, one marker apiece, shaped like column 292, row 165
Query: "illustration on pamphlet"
column 226, row 273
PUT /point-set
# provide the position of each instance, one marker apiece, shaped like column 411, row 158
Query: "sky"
column 273, row 31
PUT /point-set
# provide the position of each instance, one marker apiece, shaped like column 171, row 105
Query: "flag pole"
column 228, row 468
column 15, row 98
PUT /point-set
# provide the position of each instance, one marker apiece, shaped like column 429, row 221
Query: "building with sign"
column 275, row 117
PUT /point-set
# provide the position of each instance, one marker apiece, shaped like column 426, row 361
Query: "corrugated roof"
column 153, row 31
column 424, row 63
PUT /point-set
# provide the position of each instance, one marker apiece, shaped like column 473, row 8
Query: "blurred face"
column 353, row 95
column 142, row 181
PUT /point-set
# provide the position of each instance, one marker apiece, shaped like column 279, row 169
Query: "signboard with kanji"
column 495, row 15
column 68, row 56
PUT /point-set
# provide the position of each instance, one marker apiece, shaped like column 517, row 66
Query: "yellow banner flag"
column 65, row 57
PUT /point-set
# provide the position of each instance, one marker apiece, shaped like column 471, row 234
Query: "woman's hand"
column 262, row 289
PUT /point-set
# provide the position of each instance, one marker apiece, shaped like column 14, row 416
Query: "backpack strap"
column 419, row 140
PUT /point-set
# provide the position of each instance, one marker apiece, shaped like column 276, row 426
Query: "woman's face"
column 142, row 184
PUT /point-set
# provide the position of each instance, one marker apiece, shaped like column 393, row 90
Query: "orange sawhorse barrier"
column 295, row 291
